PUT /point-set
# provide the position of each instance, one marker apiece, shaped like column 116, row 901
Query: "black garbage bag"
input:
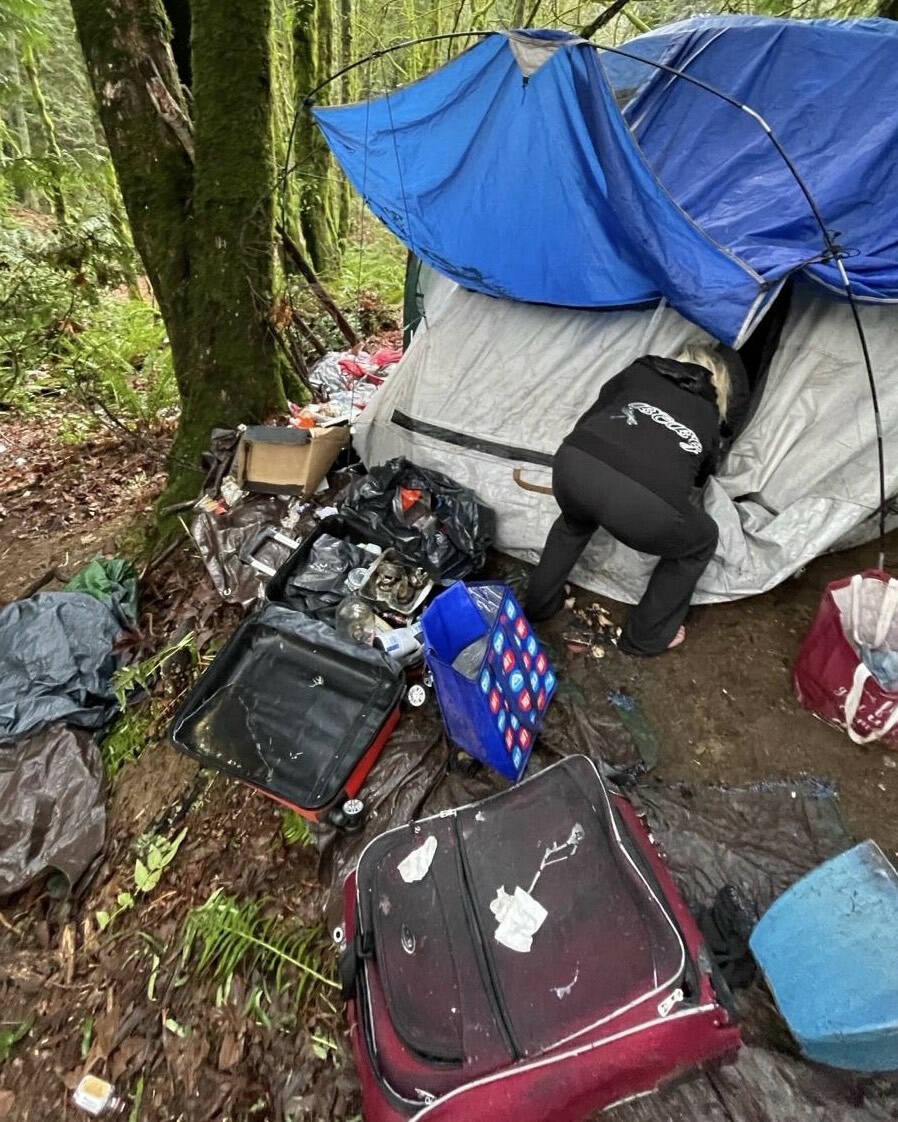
column 727, row 926
column 319, row 586
column 52, row 810
column 431, row 520
column 57, row 662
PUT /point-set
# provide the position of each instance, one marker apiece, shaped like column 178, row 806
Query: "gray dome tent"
column 490, row 385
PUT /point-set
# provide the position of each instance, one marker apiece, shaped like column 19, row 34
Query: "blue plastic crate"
column 493, row 679
column 829, row 950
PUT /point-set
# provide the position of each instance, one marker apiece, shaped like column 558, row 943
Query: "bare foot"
column 679, row 638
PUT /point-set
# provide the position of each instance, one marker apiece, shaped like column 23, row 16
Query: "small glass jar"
column 355, row 620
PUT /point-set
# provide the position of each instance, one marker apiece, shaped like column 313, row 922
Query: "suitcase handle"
column 249, row 550
column 349, row 965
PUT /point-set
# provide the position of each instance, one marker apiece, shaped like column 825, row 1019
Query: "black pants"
column 592, row 494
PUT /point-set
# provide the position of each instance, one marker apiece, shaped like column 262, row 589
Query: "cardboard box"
column 287, row 461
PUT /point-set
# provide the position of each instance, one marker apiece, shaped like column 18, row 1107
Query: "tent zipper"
column 500, row 1011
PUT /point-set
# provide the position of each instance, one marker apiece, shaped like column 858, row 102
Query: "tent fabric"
column 529, row 184
column 825, row 88
column 487, row 386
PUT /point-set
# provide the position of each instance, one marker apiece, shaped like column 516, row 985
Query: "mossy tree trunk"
column 347, row 95
column 198, row 187
column 52, row 152
column 18, row 134
column 313, row 57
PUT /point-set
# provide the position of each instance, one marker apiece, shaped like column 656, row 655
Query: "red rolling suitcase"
column 526, row 958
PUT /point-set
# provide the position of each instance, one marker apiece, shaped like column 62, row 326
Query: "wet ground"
column 723, row 708
column 178, row 1041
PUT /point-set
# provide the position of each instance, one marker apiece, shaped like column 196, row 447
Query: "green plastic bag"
column 113, row 583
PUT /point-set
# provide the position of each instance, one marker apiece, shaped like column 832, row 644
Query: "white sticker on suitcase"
column 415, row 867
column 519, row 918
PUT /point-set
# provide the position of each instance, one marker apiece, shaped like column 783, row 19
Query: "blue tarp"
column 536, row 188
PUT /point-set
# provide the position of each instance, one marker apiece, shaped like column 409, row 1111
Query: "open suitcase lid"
column 288, row 706
column 539, row 886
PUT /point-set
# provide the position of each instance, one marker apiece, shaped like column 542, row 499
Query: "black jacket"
column 656, row 422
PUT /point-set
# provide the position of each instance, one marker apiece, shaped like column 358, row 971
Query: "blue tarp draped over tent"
column 512, row 171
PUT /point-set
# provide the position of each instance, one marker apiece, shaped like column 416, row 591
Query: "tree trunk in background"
column 51, row 144
column 313, row 55
column 283, row 109
column 204, row 234
column 19, row 133
column 347, row 95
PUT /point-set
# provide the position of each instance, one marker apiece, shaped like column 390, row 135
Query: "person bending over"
column 630, row 466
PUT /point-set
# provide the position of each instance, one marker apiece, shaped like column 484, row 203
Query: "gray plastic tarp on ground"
column 800, row 480
column 57, row 661
column 52, row 811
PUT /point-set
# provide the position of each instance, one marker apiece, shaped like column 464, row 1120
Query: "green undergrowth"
column 129, row 736
column 226, row 936
column 72, row 329
column 372, row 264
column 141, row 721
column 296, row 830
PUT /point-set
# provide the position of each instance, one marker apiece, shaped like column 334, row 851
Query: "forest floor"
column 124, row 1002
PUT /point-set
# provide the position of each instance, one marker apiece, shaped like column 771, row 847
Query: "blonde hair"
column 704, row 354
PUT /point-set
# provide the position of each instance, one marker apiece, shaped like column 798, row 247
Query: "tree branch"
column 321, row 294
column 170, row 112
column 533, row 12
column 603, row 18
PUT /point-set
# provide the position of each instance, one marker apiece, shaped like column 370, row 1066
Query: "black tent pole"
column 833, row 251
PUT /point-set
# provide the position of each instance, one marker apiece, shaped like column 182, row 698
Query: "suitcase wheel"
column 416, row 695
column 349, row 816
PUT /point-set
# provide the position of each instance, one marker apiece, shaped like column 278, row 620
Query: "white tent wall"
column 801, row 477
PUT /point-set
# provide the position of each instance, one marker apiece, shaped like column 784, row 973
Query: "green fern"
column 295, row 829
column 140, row 675
column 224, row 935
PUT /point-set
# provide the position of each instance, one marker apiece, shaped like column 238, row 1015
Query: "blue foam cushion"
column 829, row 950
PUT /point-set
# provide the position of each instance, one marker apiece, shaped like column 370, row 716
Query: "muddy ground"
column 125, row 1002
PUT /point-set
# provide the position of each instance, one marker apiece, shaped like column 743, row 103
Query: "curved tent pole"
column 834, row 252
column 381, row 51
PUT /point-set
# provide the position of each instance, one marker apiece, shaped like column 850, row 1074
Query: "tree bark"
column 203, row 232
column 19, row 132
column 347, row 95
column 51, row 143
column 313, row 36
column 603, row 18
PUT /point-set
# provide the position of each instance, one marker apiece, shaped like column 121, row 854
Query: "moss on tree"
column 204, row 229
column 313, row 60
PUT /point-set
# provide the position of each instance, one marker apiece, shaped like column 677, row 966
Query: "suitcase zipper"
column 670, row 1001
column 488, row 973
